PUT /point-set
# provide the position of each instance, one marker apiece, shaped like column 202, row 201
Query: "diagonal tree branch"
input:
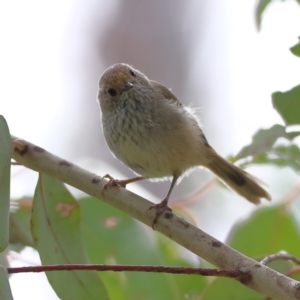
column 261, row 278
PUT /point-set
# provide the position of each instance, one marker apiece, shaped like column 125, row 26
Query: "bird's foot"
column 112, row 182
column 159, row 209
column 117, row 182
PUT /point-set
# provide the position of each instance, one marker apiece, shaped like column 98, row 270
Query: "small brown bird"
column 148, row 129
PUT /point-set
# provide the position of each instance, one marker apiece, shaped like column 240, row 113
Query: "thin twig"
column 191, row 198
column 293, row 271
column 277, row 256
column 291, row 194
column 133, row 268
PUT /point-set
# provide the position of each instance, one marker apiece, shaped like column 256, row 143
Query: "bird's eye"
column 132, row 73
column 112, row 92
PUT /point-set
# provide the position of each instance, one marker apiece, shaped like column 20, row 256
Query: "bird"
column 150, row 131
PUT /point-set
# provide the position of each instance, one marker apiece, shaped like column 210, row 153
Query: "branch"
column 261, row 278
column 282, row 256
column 132, row 268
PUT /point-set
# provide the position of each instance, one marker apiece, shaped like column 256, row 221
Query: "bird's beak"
column 128, row 86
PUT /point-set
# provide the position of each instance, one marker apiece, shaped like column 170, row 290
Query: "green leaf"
column 5, row 153
column 265, row 232
column 288, row 105
column 188, row 287
column 55, row 227
column 111, row 236
column 5, row 291
column 296, row 49
column 281, row 156
column 229, row 289
column 264, row 139
column 261, row 6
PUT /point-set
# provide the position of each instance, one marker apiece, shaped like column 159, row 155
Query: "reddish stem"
column 132, row 268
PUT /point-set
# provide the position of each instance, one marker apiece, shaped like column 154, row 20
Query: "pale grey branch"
column 279, row 256
column 261, row 278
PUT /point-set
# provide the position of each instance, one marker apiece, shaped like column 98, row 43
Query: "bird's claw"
column 159, row 209
column 112, row 182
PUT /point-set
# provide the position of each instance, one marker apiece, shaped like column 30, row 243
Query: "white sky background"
column 36, row 83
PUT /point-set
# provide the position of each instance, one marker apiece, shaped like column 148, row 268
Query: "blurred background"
column 209, row 53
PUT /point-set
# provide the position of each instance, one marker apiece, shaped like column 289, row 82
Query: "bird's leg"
column 163, row 205
column 116, row 182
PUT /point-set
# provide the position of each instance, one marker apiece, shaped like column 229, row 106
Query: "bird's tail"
column 240, row 181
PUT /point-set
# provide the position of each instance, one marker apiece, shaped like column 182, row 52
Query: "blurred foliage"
column 111, row 236
column 264, row 141
column 5, row 291
column 260, row 10
column 296, row 49
column 5, row 153
column 228, row 289
column 261, row 6
column 278, row 231
column 262, row 149
column 19, row 224
column 287, row 104
column 64, row 230
column 55, row 228
column 283, row 154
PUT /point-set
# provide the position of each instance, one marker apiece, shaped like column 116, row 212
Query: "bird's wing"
column 166, row 93
column 172, row 98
